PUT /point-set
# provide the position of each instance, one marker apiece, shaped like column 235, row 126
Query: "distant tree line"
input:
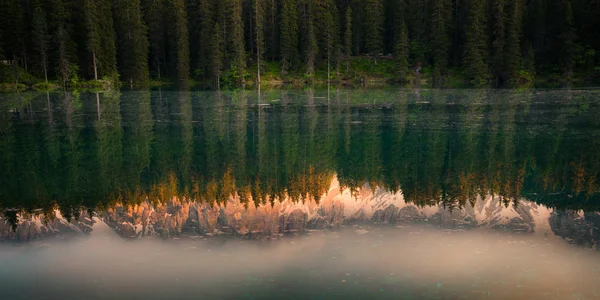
column 227, row 41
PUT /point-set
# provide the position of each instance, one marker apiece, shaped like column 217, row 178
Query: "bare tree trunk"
column 95, row 66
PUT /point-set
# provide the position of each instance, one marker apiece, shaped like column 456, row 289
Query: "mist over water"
column 404, row 262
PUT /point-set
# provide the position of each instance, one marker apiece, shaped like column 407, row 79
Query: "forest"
column 235, row 43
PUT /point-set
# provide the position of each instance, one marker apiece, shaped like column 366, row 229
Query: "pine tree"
column 498, row 44
column 93, row 32
column 439, row 39
column 374, row 26
column 132, row 42
column 41, row 39
column 217, row 54
column 528, row 63
column 235, row 41
column 512, row 56
column 205, row 13
column 179, row 33
column 154, row 16
column 63, row 43
column 475, row 51
column 289, row 35
column 402, row 53
column 348, row 38
column 567, row 38
column 107, row 56
column 311, row 40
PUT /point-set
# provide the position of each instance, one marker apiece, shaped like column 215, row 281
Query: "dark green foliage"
column 401, row 52
column 236, row 54
column 289, row 35
column 499, row 41
column 475, row 55
column 498, row 36
column 179, row 32
column 132, row 42
column 41, row 37
column 511, row 60
column 217, row 54
column 374, row 26
column 348, row 37
column 440, row 39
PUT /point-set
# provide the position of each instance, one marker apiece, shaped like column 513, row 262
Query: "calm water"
column 313, row 194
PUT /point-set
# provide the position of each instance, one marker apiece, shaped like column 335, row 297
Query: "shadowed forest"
column 95, row 150
column 229, row 43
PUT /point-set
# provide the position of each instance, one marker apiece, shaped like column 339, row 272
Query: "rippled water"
column 314, row 194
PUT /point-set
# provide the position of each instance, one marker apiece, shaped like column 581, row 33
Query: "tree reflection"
column 436, row 147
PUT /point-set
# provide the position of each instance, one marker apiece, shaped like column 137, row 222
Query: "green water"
column 81, row 155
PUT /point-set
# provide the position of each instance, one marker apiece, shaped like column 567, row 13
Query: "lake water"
column 300, row 194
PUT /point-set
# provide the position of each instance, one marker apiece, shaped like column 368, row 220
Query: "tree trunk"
column 95, row 66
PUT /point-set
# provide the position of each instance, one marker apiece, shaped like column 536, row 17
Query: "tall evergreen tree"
column 402, row 53
column 567, row 39
column 63, row 43
column 374, row 18
column 311, row 46
column 132, row 42
column 217, row 54
column 100, row 37
column 348, row 37
column 498, row 36
column 180, row 43
column 475, row 55
column 512, row 54
column 440, row 38
column 41, row 38
column 235, row 41
column 289, row 35
column 154, row 16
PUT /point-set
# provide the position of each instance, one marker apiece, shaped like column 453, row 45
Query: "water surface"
column 392, row 194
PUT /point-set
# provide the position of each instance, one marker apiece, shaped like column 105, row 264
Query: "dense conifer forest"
column 226, row 42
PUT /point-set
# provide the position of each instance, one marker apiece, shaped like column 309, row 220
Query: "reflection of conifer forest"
column 71, row 151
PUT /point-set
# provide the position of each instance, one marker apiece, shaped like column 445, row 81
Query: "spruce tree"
column 206, row 15
column 498, row 36
column 132, row 42
column 348, row 38
column 311, row 46
column 512, row 56
column 289, row 35
column 63, row 44
column 107, row 57
column 475, row 53
column 217, row 54
column 41, row 39
column 439, row 38
column 154, row 16
column 92, row 25
column 401, row 54
column 374, row 18
column 180, row 43
column 235, row 41
column 567, row 38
